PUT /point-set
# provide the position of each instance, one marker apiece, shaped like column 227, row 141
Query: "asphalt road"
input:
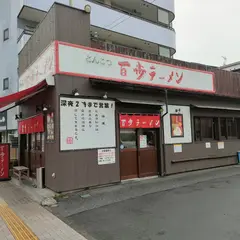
column 208, row 210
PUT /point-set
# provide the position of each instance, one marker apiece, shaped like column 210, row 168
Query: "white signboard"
column 44, row 66
column 86, row 123
column 187, row 127
column 88, row 62
column 106, row 156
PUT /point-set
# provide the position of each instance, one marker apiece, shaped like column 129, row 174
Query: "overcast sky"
column 207, row 30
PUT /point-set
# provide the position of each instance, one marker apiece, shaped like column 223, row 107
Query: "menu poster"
column 50, row 127
column 87, row 123
column 4, row 161
column 176, row 121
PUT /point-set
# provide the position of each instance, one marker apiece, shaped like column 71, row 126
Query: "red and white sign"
column 31, row 125
column 4, row 161
column 43, row 67
column 139, row 121
column 76, row 60
column 88, row 62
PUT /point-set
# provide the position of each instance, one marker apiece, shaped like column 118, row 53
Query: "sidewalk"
column 32, row 220
column 79, row 202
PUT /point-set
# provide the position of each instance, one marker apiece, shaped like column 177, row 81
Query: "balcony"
column 23, row 38
column 168, row 5
column 121, row 22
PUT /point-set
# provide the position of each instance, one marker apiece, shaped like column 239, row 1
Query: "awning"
column 217, row 107
column 14, row 99
column 155, row 103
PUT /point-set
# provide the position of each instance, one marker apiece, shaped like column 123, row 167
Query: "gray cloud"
column 207, row 30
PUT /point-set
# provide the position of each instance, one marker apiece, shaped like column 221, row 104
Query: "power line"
column 125, row 19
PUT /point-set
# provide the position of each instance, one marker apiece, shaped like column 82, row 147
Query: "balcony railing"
column 133, row 14
column 25, row 32
column 110, row 47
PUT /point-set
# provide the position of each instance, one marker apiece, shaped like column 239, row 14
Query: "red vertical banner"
column 4, row 161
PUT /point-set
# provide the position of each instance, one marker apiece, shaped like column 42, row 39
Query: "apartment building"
column 139, row 24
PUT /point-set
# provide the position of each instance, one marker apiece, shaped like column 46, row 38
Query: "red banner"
column 31, row 125
column 139, row 121
column 4, row 161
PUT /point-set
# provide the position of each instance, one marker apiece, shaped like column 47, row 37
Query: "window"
column 6, row 34
column 206, row 128
column 128, row 138
column 229, row 128
column 223, row 128
column 5, row 83
column 165, row 52
column 163, row 16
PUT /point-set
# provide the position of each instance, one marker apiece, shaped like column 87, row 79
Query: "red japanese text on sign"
column 4, row 161
column 31, row 125
column 131, row 70
column 139, row 121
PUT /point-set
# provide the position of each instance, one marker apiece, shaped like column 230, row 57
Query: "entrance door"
column 138, row 153
column 128, row 154
column 147, row 152
column 32, row 158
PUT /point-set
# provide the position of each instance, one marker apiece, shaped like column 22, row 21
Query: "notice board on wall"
column 4, row 161
column 87, row 123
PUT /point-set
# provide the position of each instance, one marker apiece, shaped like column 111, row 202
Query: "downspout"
column 163, row 170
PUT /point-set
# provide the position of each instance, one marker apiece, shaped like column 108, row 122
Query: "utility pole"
column 71, row 3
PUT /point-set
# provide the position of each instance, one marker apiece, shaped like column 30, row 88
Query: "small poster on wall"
column 220, row 145
column 106, row 156
column 177, row 148
column 208, row 145
column 176, row 121
column 143, row 141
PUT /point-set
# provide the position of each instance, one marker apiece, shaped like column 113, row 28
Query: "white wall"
column 9, row 52
column 8, row 49
column 185, row 110
column 11, row 122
